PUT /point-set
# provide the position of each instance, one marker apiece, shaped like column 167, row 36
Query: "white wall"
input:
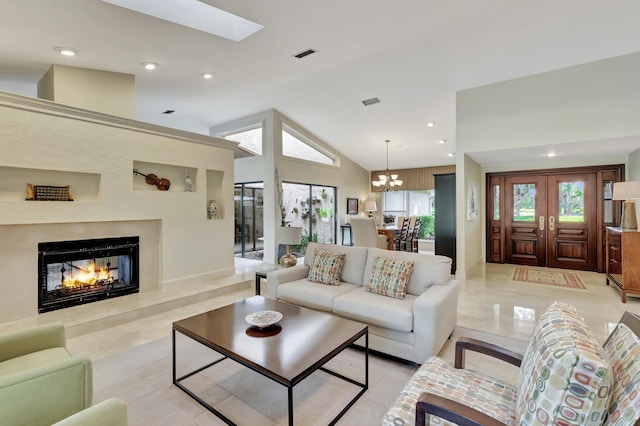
column 351, row 180
column 594, row 101
column 633, row 167
column 471, row 252
column 101, row 91
column 44, row 141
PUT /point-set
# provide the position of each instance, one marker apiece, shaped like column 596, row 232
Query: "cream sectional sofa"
column 413, row 328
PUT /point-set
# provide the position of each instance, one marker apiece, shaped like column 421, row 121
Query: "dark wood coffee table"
column 302, row 343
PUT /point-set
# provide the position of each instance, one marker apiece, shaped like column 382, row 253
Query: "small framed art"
column 352, row 206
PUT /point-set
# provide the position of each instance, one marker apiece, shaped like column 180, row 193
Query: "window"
column 410, row 203
column 524, row 202
column 294, row 146
column 571, row 201
column 250, row 142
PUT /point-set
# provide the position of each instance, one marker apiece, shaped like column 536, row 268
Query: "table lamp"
column 290, row 236
column 370, row 206
column 627, row 191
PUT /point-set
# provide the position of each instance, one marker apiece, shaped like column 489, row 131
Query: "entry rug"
column 557, row 278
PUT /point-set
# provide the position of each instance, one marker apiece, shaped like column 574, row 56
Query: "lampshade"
column 626, row 190
column 290, row 235
column 370, row 206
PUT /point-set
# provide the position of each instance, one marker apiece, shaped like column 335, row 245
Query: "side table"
column 343, row 228
column 259, row 276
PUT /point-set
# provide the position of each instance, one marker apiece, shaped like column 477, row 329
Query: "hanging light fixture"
column 387, row 182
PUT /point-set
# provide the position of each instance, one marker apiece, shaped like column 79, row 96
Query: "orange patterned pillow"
column 389, row 277
column 326, row 267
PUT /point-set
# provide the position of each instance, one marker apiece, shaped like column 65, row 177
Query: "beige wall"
column 51, row 144
column 95, row 90
column 595, row 101
column 350, row 179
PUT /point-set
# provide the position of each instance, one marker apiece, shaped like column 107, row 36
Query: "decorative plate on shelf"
column 262, row 319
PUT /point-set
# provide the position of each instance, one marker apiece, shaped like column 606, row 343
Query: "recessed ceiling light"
column 149, row 65
column 442, row 141
column 370, row 101
column 431, row 124
column 451, row 154
column 65, row 51
column 207, row 75
column 551, row 154
column 194, row 14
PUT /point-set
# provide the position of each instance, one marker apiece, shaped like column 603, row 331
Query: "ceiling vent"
column 305, row 53
column 371, row 101
column 169, row 111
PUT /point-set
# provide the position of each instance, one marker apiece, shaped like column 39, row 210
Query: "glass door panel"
column 524, row 202
column 313, row 209
column 571, row 201
column 249, row 220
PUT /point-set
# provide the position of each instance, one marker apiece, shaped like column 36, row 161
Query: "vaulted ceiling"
column 413, row 55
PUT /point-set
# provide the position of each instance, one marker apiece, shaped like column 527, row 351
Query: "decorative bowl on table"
column 263, row 319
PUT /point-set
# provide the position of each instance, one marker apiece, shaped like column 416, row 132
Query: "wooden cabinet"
column 623, row 267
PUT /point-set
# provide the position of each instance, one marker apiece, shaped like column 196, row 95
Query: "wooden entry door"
column 551, row 220
column 572, row 241
column 525, row 210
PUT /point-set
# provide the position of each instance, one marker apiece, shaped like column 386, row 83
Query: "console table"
column 622, row 266
column 343, row 228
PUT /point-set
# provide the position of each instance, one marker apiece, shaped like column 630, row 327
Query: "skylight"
column 194, row 14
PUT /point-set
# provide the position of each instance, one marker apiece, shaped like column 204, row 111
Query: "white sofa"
column 413, row 328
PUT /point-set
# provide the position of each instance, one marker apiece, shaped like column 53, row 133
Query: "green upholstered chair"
column 40, row 381
column 111, row 412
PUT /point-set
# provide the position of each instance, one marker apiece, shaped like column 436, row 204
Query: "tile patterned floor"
column 132, row 360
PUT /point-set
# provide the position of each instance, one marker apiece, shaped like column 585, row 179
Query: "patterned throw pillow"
column 565, row 376
column 389, row 277
column 326, row 267
column 624, row 353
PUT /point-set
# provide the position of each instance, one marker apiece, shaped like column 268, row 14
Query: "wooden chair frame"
column 430, row 404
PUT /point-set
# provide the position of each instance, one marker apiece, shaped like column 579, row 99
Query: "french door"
column 552, row 218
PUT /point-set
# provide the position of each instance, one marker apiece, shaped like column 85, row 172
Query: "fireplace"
column 82, row 271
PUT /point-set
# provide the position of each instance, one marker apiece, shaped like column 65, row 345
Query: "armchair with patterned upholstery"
column 40, row 381
column 566, row 377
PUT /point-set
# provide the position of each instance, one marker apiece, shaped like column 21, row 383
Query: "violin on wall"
column 161, row 183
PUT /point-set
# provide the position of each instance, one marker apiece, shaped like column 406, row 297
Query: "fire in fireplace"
column 82, row 271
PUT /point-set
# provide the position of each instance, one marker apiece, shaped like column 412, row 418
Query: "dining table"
column 388, row 231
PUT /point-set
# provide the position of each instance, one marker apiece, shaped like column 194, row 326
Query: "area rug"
column 556, row 278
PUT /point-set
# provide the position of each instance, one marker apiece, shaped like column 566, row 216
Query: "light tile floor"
column 132, row 360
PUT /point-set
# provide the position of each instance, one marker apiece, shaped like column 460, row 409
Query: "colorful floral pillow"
column 623, row 349
column 326, row 267
column 389, row 277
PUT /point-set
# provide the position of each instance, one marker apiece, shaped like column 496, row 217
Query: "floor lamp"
column 627, row 191
column 290, row 236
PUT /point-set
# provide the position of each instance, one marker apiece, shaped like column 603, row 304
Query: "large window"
column 250, row 140
column 410, row 203
column 296, row 146
column 311, row 207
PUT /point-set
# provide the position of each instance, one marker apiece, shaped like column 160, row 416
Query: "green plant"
column 427, row 226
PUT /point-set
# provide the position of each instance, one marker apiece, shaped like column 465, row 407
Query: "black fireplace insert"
column 82, row 271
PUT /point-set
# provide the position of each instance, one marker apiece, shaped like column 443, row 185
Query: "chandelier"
column 387, row 182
